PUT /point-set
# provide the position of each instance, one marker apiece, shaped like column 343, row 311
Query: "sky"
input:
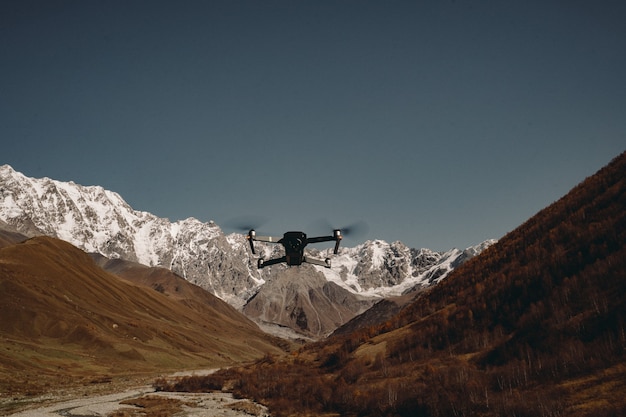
column 437, row 123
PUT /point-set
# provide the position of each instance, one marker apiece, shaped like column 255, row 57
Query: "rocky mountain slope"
column 100, row 221
column 303, row 300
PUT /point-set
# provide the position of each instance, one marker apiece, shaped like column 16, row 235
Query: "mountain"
column 100, row 221
column 533, row 326
column 378, row 268
column 303, row 300
column 64, row 320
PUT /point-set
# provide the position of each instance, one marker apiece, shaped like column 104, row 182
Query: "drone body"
column 294, row 244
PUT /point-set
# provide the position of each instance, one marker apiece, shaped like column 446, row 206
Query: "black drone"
column 294, row 244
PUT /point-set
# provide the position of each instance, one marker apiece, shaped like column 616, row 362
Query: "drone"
column 294, row 244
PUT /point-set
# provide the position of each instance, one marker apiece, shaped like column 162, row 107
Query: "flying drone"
column 294, row 244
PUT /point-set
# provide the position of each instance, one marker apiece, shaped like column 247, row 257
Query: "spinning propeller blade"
column 355, row 230
column 245, row 223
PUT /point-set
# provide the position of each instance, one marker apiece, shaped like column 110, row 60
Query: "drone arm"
column 336, row 236
column 252, row 237
column 320, row 239
column 325, row 263
column 262, row 264
column 270, row 239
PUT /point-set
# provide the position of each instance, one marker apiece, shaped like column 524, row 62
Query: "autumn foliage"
column 534, row 326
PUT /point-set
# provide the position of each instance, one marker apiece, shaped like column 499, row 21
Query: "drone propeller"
column 355, row 230
column 245, row 223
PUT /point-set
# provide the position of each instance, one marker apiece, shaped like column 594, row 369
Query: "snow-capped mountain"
column 98, row 220
column 378, row 268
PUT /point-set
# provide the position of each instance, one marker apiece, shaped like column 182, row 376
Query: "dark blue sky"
column 439, row 123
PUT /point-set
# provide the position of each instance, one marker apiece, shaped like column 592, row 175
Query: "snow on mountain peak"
column 99, row 220
column 381, row 269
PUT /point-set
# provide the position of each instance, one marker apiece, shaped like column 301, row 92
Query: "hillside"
column 9, row 236
column 66, row 321
column 166, row 282
column 534, row 326
column 380, row 312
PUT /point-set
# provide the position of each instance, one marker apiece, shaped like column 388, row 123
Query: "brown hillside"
column 9, row 236
column 63, row 318
column 168, row 283
column 380, row 312
column 534, row 326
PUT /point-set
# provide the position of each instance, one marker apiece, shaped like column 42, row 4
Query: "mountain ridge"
column 100, row 221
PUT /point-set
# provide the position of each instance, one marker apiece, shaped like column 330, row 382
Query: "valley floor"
column 137, row 401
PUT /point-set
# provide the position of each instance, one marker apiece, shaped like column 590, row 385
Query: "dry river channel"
column 120, row 404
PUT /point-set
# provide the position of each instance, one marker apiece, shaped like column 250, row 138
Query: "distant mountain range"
column 100, row 221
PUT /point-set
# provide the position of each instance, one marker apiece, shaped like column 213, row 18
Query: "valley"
column 532, row 325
